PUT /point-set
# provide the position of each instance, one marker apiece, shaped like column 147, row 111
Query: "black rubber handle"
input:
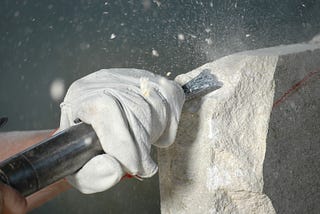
column 51, row 160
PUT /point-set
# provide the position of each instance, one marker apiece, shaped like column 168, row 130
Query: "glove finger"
column 66, row 118
column 109, row 122
column 175, row 98
column 97, row 175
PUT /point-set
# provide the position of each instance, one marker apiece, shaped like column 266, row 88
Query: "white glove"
column 129, row 109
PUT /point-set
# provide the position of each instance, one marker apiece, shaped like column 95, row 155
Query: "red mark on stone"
column 295, row 87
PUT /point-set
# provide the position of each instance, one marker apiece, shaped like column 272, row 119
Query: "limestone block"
column 216, row 163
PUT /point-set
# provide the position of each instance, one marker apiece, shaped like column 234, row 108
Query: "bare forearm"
column 17, row 141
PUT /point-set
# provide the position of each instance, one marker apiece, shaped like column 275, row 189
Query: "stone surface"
column 216, row 163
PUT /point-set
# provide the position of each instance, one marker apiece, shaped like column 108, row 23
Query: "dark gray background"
column 42, row 40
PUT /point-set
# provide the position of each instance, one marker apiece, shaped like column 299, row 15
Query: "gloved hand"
column 129, row 109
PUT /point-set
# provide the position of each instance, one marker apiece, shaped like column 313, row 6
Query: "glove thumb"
column 97, row 175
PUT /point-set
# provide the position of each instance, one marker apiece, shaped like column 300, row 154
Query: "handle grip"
column 50, row 160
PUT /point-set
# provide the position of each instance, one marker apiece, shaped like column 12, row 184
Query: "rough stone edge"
column 275, row 51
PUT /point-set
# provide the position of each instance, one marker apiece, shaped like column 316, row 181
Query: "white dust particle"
column 303, row 5
column 193, row 36
column 155, row 53
column 248, row 35
column 146, row 4
column 180, row 36
column 16, row 14
column 157, row 2
column 57, row 89
column 209, row 41
column 106, row 3
column 168, row 74
column 84, row 46
column 207, row 30
column 113, row 36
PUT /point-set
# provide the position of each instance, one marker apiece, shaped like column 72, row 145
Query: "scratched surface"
column 292, row 166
